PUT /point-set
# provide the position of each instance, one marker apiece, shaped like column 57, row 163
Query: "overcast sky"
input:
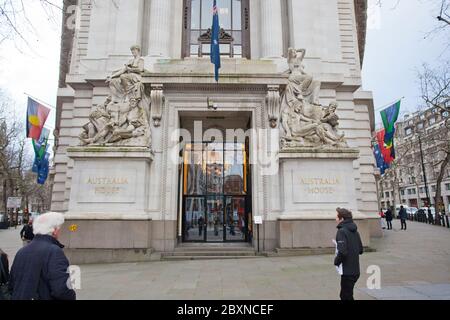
column 395, row 49
column 397, row 46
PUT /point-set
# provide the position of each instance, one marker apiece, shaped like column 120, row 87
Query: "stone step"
column 213, row 249
column 211, row 253
column 184, row 258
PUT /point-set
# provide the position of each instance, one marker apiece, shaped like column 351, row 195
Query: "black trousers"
column 389, row 225
column 347, row 286
column 403, row 221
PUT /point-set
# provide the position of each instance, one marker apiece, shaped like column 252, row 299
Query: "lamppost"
column 424, row 172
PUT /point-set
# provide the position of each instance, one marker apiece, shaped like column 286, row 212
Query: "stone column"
column 128, row 26
column 159, row 35
column 271, row 29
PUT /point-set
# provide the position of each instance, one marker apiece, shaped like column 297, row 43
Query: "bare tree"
column 443, row 7
column 15, row 24
column 444, row 15
column 435, row 91
column 16, row 158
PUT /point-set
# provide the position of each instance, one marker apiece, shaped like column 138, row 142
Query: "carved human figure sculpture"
column 126, row 83
column 304, row 121
column 123, row 118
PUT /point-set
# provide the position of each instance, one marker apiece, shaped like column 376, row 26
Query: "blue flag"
column 381, row 164
column 43, row 169
column 36, row 163
column 215, row 45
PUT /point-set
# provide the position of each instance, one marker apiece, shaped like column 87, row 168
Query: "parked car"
column 413, row 210
column 4, row 224
column 433, row 211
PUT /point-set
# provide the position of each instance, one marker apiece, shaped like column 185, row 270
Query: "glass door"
column 215, row 194
column 214, row 218
column 235, row 219
column 194, row 219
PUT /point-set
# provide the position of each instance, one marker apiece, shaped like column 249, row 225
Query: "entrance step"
column 184, row 258
column 210, row 251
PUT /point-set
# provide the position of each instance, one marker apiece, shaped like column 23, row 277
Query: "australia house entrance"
column 216, row 192
column 215, row 202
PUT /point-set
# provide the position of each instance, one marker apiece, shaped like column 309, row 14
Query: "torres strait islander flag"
column 390, row 117
column 36, row 116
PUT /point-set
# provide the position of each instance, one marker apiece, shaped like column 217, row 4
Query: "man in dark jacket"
column 40, row 270
column 349, row 248
column 403, row 216
column 389, row 218
column 26, row 233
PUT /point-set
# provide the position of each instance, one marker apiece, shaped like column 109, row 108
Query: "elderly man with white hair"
column 40, row 270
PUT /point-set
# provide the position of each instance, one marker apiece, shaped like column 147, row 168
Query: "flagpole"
column 389, row 104
column 39, row 100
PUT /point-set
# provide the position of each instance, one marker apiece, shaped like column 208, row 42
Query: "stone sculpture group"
column 304, row 121
column 123, row 119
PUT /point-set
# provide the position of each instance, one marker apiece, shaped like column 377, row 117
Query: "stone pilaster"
column 271, row 29
column 159, row 37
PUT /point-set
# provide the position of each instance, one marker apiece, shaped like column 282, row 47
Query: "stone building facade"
column 140, row 188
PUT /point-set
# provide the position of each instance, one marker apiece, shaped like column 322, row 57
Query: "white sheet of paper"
column 339, row 269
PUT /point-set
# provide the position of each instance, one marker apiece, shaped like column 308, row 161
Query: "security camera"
column 211, row 104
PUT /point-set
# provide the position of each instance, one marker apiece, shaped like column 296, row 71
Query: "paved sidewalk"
column 415, row 264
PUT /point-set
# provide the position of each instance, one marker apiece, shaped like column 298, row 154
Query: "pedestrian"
column 4, row 276
column 403, row 216
column 430, row 217
column 382, row 216
column 389, row 218
column 26, row 233
column 40, row 270
column 200, row 222
column 349, row 248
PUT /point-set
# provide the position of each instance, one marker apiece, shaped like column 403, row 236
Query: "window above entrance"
column 234, row 24
column 215, row 169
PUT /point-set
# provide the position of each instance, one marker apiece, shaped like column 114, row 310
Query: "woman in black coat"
column 389, row 218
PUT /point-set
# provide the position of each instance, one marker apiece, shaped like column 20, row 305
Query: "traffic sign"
column 14, row 202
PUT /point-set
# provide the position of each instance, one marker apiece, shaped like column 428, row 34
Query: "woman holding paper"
column 349, row 247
